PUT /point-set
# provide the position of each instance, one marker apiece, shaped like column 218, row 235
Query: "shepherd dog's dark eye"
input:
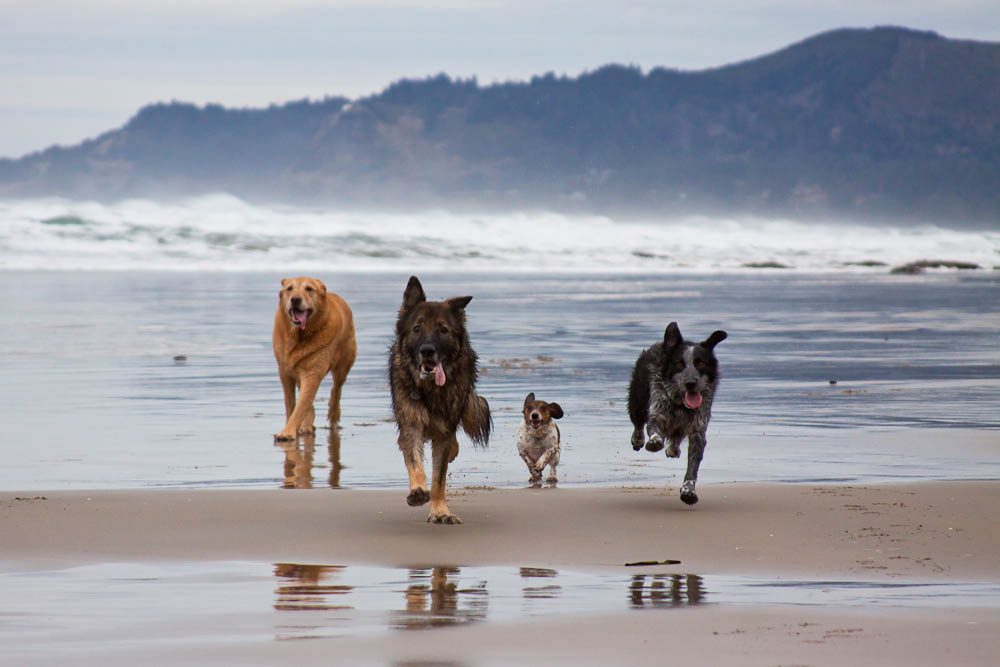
column 416, row 328
column 443, row 330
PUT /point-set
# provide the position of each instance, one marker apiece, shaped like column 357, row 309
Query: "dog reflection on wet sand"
column 433, row 600
column 301, row 587
column 666, row 590
column 298, row 465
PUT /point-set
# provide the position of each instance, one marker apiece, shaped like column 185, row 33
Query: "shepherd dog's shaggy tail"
column 477, row 421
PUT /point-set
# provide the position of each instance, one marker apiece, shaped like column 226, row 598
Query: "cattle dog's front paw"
column 673, row 451
column 654, row 444
column 688, row 496
column 446, row 518
column 551, row 479
column 418, row 496
column 637, row 440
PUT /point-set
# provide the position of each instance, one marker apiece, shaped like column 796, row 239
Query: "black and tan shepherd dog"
column 432, row 376
column 673, row 386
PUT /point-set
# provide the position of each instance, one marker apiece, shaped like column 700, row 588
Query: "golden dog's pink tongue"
column 439, row 378
column 692, row 399
column 300, row 319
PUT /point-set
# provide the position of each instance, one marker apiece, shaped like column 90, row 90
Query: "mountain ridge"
column 880, row 124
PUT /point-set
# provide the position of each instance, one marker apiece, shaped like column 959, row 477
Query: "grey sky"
column 71, row 69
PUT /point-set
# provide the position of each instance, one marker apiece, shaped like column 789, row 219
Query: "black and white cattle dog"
column 671, row 393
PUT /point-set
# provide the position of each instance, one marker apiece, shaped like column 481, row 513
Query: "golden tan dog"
column 313, row 336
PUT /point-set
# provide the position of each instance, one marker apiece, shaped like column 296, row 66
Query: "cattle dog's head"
column 690, row 369
column 539, row 414
column 301, row 298
column 432, row 334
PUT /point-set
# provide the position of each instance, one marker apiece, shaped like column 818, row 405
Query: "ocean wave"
column 222, row 233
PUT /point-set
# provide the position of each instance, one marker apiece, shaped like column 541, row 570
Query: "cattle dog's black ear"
column 555, row 410
column 459, row 302
column 713, row 340
column 530, row 398
column 672, row 336
column 414, row 293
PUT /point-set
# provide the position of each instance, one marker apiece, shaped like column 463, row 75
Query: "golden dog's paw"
column 444, row 518
column 307, row 430
column 417, row 497
column 284, row 436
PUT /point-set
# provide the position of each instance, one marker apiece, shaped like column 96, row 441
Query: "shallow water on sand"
column 131, row 379
column 60, row 613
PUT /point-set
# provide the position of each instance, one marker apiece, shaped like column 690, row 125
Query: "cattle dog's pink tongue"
column 692, row 399
column 439, row 377
column 300, row 317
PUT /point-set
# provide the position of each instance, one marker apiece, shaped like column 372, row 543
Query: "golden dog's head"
column 301, row 298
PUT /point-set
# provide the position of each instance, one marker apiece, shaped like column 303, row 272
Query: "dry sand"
column 934, row 531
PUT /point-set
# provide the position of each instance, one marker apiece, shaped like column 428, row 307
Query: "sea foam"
column 223, row 233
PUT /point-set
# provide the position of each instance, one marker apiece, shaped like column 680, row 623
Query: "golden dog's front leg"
column 411, row 443
column 301, row 419
column 441, row 455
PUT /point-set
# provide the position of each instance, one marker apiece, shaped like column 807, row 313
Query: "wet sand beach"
column 822, row 570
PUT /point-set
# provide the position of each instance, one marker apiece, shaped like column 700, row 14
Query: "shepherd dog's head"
column 690, row 369
column 432, row 335
column 301, row 298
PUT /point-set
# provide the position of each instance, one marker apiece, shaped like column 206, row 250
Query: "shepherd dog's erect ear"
column 672, row 336
column 713, row 340
column 414, row 293
column 555, row 411
column 530, row 398
column 458, row 302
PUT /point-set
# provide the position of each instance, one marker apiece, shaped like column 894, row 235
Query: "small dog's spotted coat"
column 538, row 439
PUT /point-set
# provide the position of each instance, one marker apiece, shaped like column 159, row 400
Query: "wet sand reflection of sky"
column 94, row 606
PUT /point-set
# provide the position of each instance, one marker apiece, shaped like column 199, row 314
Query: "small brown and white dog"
column 538, row 438
column 313, row 336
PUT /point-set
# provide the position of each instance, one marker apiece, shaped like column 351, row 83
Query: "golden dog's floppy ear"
column 322, row 286
column 285, row 281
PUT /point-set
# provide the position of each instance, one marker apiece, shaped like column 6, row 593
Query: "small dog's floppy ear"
column 716, row 338
column 458, row 302
column 530, row 398
column 555, row 411
column 672, row 336
column 414, row 293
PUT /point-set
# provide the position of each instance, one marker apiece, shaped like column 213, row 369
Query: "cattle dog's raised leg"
column 657, row 437
column 442, row 455
column 696, row 449
column 674, row 450
column 412, row 445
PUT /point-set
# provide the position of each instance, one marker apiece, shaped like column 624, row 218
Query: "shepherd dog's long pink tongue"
column 300, row 319
column 692, row 399
column 439, row 377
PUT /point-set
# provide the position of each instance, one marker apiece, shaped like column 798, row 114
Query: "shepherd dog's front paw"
column 418, row 496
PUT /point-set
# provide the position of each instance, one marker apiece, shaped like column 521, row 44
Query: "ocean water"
column 123, row 379
column 221, row 233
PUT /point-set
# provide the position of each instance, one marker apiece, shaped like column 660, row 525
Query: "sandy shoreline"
column 933, row 530
column 947, row 531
